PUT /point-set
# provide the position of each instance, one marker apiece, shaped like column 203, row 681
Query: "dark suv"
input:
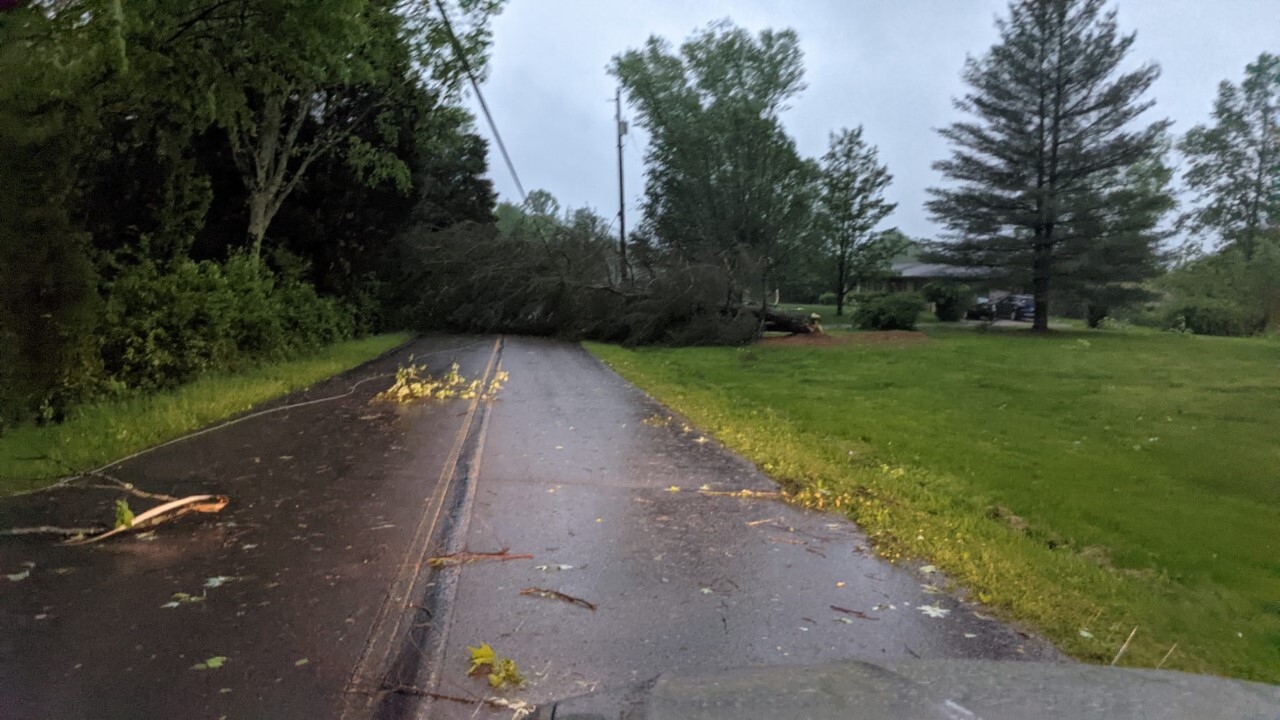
column 1015, row 307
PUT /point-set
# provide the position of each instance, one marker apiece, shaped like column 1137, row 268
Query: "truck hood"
column 928, row 690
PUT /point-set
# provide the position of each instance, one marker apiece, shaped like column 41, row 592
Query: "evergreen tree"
column 1052, row 134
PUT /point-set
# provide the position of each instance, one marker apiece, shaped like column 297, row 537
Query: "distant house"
column 911, row 276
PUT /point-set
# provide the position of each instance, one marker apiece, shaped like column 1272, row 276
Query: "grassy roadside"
column 97, row 434
column 1086, row 482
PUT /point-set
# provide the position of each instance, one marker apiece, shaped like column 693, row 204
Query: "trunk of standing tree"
column 259, row 219
column 840, row 284
column 1042, row 266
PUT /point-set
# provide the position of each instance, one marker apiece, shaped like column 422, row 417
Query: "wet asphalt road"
column 334, row 508
column 572, row 473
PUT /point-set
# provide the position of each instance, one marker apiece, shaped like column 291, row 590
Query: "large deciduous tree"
column 725, row 185
column 852, row 204
column 290, row 82
column 1234, row 163
column 1053, row 128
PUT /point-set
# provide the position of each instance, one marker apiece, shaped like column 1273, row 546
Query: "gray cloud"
column 892, row 67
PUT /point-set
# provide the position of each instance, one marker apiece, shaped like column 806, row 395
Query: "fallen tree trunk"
column 775, row 321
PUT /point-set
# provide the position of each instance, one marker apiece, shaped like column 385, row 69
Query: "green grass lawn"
column 32, row 456
column 1086, row 482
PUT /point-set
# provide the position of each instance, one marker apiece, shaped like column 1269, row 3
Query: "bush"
column 827, row 298
column 163, row 326
column 897, row 311
column 949, row 301
column 1214, row 318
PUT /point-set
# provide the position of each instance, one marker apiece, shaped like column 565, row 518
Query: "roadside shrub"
column 1214, row 318
column 950, row 301
column 309, row 321
column 827, row 298
column 164, row 325
column 896, row 311
column 1095, row 313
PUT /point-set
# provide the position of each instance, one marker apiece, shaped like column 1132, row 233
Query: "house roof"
column 932, row 270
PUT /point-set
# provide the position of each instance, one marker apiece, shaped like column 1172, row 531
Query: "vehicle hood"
column 929, row 690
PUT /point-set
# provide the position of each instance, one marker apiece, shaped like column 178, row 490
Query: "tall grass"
column 32, row 456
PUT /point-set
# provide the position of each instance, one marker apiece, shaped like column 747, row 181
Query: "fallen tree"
column 774, row 321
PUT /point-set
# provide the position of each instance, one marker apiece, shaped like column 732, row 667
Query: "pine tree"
column 1051, row 136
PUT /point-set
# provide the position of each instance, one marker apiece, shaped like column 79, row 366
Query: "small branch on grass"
column 466, row 558
column 1165, row 659
column 1125, row 646
column 557, row 595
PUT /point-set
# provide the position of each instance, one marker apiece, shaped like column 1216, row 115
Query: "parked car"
column 983, row 309
column 1015, row 307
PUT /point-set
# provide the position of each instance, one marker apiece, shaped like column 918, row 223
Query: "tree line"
column 1058, row 184
column 202, row 185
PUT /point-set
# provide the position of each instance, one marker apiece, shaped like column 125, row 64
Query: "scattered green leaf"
column 181, row 598
column 212, row 663
column 480, row 657
column 124, row 516
column 301, row 662
column 499, row 671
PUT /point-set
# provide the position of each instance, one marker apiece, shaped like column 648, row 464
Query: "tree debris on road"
column 557, row 595
column 159, row 514
column 856, row 613
column 465, row 558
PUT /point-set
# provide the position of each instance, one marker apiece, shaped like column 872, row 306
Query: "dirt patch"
column 886, row 337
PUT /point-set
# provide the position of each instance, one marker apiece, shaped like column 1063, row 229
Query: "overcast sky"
column 892, row 66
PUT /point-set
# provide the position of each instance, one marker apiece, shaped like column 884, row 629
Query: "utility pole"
column 622, row 199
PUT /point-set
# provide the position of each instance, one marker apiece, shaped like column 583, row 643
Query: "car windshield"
column 516, row 359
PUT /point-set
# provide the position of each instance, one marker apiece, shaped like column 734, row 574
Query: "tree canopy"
column 851, row 204
column 151, row 144
column 1055, row 125
column 1234, row 163
column 725, row 184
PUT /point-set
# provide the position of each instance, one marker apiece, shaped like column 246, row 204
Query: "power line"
column 462, row 57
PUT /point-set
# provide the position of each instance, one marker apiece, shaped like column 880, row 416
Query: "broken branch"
column 520, row 708
column 129, row 488
column 160, row 513
column 742, row 493
column 465, row 558
column 51, row 530
column 557, row 595
column 856, row 613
